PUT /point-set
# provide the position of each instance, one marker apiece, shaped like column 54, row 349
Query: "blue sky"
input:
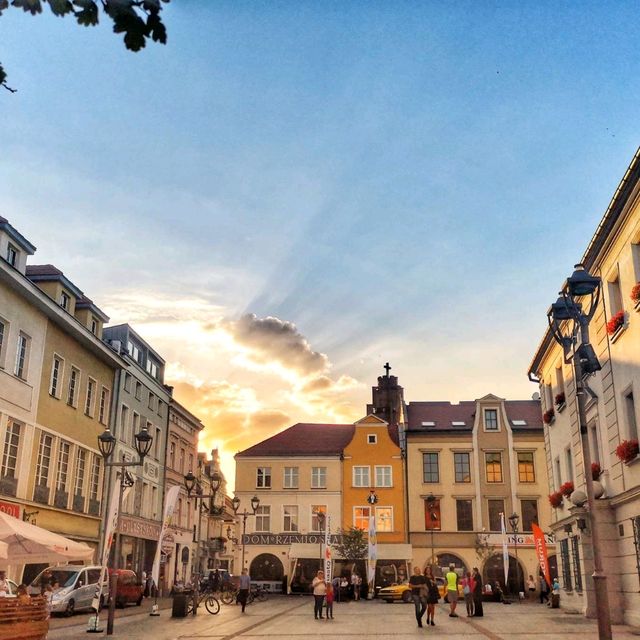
column 402, row 181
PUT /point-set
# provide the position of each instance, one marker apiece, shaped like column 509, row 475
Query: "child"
column 329, row 599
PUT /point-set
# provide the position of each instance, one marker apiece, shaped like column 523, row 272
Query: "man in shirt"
column 418, row 587
column 245, row 585
column 452, row 579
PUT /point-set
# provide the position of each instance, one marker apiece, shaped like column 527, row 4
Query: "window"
column 430, row 471
column 94, row 326
column 384, row 519
column 318, row 477
column 290, row 480
column 315, row 510
column 127, row 382
column 10, row 451
column 172, row 455
column 124, row 422
column 263, row 518
column 72, row 391
column 157, row 441
column 63, row 466
column 56, row 376
column 65, row 301
column 594, row 441
column 135, row 427
column 559, row 380
column 95, row 478
column 615, row 296
column 263, row 478
column 152, row 368
column 21, row 356
column 361, row 517
column 3, row 330
column 569, row 459
column 432, row 515
column 372, row 438
column 103, row 413
column 630, row 408
column 160, row 407
column 558, row 472
column 12, row 255
column 361, row 477
column 151, row 401
column 181, row 460
column 635, row 521
column 575, row 548
column 526, row 471
column 464, row 515
column 133, row 351
column 81, row 460
column 566, row 565
column 462, row 466
column 290, row 522
column 383, row 476
column 494, row 467
column 491, row 419
column 138, row 390
column 529, row 510
column 496, row 509
column 91, row 396
column 44, row 459
column 191, row 462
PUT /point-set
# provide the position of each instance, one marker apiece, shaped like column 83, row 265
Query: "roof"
column 43, row 270
column 16, row 236
column 304, row 439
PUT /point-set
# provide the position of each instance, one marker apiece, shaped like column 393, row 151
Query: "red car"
column 130, row 589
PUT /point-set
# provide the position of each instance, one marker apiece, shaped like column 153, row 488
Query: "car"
column 130, row 590
column 402, row 592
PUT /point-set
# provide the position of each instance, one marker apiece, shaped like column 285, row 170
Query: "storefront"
column 139, row 538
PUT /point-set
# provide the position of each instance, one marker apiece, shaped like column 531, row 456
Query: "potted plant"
column 627, row 450
column 548, row 416
column 596, row 471
column 555, row 499
column 617, row 320
column 560, row 399
column 567, row 488
column 635, row 294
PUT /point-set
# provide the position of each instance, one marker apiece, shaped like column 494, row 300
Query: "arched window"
column 493, row 571
column 266, row 567
column 445, row 559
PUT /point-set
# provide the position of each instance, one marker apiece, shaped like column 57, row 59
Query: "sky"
column 289, row 194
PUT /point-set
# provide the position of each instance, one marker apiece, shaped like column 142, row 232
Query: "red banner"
column 541, row 552
column 10, row 509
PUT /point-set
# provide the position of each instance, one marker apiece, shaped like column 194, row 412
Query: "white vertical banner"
column 505, row 550
column 328, row 565
column 372, row 554
column 109, row 535
column 170, row 501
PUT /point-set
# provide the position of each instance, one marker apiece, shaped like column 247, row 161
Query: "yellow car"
column 402, row 592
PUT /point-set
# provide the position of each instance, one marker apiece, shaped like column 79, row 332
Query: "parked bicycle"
column 211, row 603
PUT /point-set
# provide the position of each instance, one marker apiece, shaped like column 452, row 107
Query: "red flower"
column 635, row 293
column 567, row 489
column 615, row 323
column 560, row 398
column 596, row 470
column 547, row 416
column 627, row 450
column 555, row 499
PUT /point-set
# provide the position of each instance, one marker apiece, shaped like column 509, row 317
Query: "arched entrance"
column 443, row 560
column 493, row 571
column 266, row 566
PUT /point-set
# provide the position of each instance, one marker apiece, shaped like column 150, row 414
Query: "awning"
column 387, row 551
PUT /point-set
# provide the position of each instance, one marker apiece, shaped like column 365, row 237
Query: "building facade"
column 612, row 419
column 468, row 464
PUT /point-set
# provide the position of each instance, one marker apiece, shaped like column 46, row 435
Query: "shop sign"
column 286, row 539
column 168, row 544
column 10, row 508
column 139, row 528
column 522, row 539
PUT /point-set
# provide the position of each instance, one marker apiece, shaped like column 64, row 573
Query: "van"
column 130, row 589
column 77, row 587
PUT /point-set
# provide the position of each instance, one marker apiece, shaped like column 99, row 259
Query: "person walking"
column 433, row 595
column 467, row 590
column 452, row 579
column 329, row 597
column 319, row 591
column 477, row 594
column 245, row 585
column 418, row 584
column 531, row 587
column 544, row 589
column 356, row 582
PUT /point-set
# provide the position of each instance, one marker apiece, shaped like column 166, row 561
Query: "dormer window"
column 372, row 438
column 65, row 301
column 94, row 326
column 12, row 255
column 491, row 419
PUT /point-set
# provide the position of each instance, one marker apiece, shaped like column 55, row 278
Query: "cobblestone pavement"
column 291, row 619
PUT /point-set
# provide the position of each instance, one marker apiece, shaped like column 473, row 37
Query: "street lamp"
column 321, row 516
column 235, row 503
column 569, row 319
column 433, row 517
column 107, row 445
column 191, row 484
column 514, row 519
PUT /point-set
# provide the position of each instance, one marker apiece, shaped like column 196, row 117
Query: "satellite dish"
column 535, row 396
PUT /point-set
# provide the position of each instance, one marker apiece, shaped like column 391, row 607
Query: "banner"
column 328, row 567
column 170, row 501
column 541, row 552
column 109, row 534
column 373, row 553
column 505, row 550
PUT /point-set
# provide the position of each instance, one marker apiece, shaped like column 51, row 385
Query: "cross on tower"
column 387, row 368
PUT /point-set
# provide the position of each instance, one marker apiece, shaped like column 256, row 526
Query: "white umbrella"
column 25, row 543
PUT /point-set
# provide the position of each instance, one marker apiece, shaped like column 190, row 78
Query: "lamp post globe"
column 514, row 520
column 582, row 283
column 255, row 503
column 144, row 440
column 215, row 480
column 235, row 503
column 106, row 443
column 189, row 482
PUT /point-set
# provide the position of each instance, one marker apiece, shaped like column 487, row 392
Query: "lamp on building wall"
column 514, row 520
column 106, row 446
column 569, row 319
column 255, row 503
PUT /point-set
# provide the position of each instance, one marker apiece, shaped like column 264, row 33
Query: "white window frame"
column 290, row 518
column 318, row 477
column 73, row 389
column 372, row 438
column 90, row 399
column 21, row 367
column 13, row 260
column 264, row 513
column 11, row 449
column 363, row 507
column 484, row 419
column 105, row 401
column 63, row 465
column 291, row 480
column 40, row 475
column 315, row 509
column 57, row 376
column 360, row 468
column 94, row 478
column 383, row 467
column 65, row 301
column 80, row 472
column 4, row 336
column 266, row 472
column 390, row 528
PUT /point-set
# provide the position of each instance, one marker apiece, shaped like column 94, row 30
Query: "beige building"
column 468, row 463
column 612, row 414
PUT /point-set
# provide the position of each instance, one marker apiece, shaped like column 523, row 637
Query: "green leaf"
column 28, row 6
column 156, row 29
column 4, row 4
column 60, row 7
column 88, row 17
column 3, row 75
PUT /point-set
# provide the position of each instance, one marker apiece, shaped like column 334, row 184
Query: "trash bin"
column 555, row 601
column 179, row 605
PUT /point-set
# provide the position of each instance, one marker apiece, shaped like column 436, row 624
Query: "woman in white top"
column 319, row 591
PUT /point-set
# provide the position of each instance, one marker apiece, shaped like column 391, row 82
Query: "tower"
column 388, row 398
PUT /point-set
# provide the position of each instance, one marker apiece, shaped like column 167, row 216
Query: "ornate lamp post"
column 433, row 516
column 514, row 520
column 191, row 484
column 569, row 319
column 321, row 516
column 255, row 503
column 107, row 445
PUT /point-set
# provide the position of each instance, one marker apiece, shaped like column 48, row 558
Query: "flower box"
column 635, row 295
column 628, row 450
column 596, row 471
column 555, row 499
column 615, row 323
column 549, row 416
column 567, row 489
column 561, row 401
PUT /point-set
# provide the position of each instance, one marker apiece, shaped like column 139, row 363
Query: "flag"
column 505, row 550
column 372, row 552
column 328, row 568
column 541, row 551
column 170, row 500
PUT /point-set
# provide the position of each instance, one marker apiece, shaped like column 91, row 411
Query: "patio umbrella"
column 25, row 543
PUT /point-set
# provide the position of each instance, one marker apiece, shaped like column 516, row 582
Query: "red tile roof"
column 528, row 410
column 43, row 270
column 304, row 439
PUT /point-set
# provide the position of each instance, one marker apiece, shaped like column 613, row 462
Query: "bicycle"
column 210, row 602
